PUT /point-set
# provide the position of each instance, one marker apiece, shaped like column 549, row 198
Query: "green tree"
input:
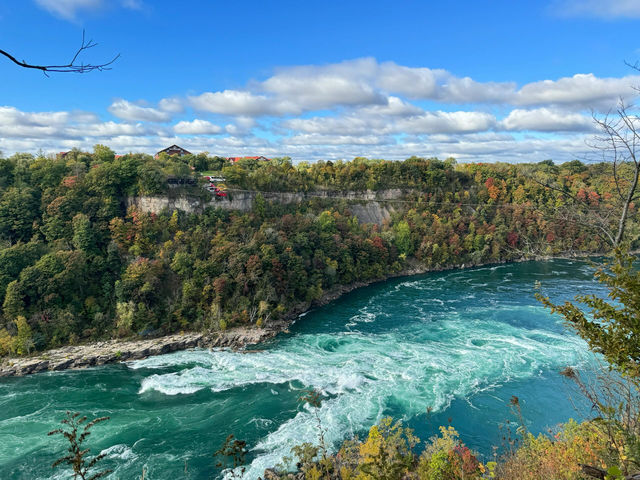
column 83, row 235
column 260, row 206
column 7, row 342
column 18, row 210
column 103, row 154
column 14, row 259
column 235, row 175
column 403, row 238
column 13, row 304
column 151, row 179
column 24, row 338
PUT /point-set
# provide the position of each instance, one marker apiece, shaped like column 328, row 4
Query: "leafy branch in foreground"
column 232, row 454
column 611, row 329
column 314, row 399
column 76, row 434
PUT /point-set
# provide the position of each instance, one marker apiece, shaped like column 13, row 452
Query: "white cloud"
column 110, row 129
column 467, row 90
column 412, row 82
column 65, row 125
column 12, row 116
column 241, row 127
column 364, row 81
column 328, row 86
column 608, row 9
column 440, row 85
column 69, row 9
column 317, row 139
column 197, row 127
column 394, row 107
column 355, row 83
column 237, row 102
column 343, row 125
column 447, row 122
column 547, row 120
column 582, row 91
column 134, row 112
column 245, row 122
column 358, row 124
column 21, row 131
column 172, row 105
column 384, row 89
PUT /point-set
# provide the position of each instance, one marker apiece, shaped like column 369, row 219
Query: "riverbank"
column 112, row 351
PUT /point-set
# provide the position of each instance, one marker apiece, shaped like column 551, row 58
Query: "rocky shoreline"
column 112, row 351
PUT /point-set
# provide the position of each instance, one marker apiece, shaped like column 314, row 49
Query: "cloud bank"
column 359, row 107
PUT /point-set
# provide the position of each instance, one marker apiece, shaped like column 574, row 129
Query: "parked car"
column 218, row 190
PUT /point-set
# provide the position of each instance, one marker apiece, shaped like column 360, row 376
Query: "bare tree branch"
column 72, row 66
column 619, row 139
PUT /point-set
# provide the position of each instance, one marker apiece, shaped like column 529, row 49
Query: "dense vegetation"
column 389, row 453
column 76, row 265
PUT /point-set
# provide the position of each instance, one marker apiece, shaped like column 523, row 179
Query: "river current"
column 460, row 343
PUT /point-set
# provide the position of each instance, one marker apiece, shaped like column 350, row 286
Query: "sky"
column 480, row 81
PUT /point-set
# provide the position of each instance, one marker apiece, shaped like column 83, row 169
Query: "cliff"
column 367, row 206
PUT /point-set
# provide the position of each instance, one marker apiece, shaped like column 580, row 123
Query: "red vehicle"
column 217, row 190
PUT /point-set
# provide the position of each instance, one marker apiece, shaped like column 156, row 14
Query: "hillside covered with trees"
column 76, row 265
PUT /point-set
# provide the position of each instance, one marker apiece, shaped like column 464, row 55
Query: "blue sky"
column 480, row 81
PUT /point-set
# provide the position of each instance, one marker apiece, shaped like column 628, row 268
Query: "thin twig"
column 72, row 66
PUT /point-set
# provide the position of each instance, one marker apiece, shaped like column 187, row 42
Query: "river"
column 460, row 343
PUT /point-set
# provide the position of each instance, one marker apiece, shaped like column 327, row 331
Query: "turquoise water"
column 460, row 342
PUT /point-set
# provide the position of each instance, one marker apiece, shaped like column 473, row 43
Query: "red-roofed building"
column 174, row 150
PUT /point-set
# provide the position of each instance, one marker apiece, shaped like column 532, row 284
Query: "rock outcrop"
column 111, row 351
column 367, row 206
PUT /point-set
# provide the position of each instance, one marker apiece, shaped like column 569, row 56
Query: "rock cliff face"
column 371, row 212
column 368, row 206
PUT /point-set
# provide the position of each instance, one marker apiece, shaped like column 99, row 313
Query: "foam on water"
column 415, row 366
column 119, row 452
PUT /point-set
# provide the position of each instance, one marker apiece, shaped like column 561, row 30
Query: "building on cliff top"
column 174, row 150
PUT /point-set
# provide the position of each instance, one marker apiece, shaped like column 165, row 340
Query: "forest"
column 76, row 265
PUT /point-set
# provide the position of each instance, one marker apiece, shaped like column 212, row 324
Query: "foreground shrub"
column 447, row 458
column 559, row 456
